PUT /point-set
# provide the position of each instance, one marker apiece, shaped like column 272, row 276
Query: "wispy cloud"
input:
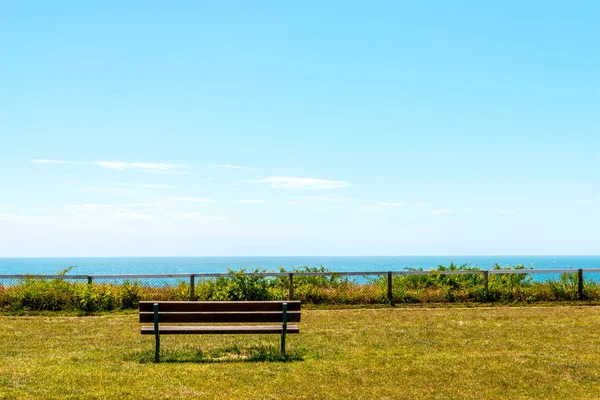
column 230, row 166
column 193, row 199
column 247, row 201
column 587, row 202
column 307, row 205
column 118, row 188
column 31, row 219
column 48, row 161
column 106, row 211
column 446, row 211
column 291, row 203
column 92, row 207
column 145, row 185
column 391, row 204
column 198, row 216
column 382, row 205
column 328, row 199
column 208, row 200
column 121, row 165
column 507, row 212
column 326, row 208
column 287, row 182
column 370, row 208
column 133, row 215
column 142, row 205
column 442, row 211
column 139, row 166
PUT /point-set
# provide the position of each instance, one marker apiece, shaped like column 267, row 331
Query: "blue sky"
column 318, row 128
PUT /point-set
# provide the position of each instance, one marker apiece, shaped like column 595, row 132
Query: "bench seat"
column 207, row 330
column 230, row 317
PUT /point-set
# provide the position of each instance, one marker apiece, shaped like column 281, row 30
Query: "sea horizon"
column 217, row 264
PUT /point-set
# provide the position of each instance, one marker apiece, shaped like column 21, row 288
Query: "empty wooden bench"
column 223, row 313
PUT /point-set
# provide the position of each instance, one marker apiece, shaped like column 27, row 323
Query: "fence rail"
column 296, row 273
column 109, row 291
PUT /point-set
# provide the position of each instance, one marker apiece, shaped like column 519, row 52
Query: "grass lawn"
column 461, row 353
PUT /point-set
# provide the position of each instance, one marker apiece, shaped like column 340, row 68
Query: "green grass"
column 394, row 353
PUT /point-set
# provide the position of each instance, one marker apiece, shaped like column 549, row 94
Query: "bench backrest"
column 219, row 311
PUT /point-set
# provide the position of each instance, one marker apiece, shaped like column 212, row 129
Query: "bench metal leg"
column 283, row 328
column 156, row 334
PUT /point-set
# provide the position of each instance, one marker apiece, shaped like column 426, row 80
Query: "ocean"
column 169, row 265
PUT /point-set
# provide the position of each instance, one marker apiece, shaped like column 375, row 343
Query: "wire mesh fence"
column 108, row 292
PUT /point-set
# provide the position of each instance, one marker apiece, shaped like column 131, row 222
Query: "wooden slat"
column 207, row 330
column 220, row 306
column 215, row 317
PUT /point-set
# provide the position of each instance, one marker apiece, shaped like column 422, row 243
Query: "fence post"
column 486, row 287
column 89, row 279
column 390, row 292
column 291, row 290
column 192, row 285
column 580, row 284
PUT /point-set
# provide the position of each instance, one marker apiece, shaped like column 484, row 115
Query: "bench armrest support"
column 156, row 334
column 283, row 328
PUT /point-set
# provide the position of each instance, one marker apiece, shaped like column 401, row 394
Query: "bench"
column 224, row 313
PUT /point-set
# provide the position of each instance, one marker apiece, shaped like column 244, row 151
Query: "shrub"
column 129, row 294
column 432, row 286
column 240, row 286
column 39, row 294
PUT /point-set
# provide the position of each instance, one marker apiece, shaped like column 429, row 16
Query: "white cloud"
column 207, row 200
column 133, row 215
column 230, row 166
column 91, row 207
column 139, row 166
column 118, row 188
column 445, row 211
column 145, row 185
column 369, row 208
column 382, row 205
column 120, row 165
column 90, row 210
column 31, row 219
column 141, row 205
column 287, row 182
column 48, row 161
column 325, row 198
column 193, row 199
column 198, row 216
column 107, row 190
column 247, row 201
column 587, row 202
column 442, row 211
column 325, row 209
column 507, row 212
column 291, row 203
column 391, row 204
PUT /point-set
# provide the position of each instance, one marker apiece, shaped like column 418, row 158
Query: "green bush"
column 129, row 294
column 32, row 294
column 240, row 286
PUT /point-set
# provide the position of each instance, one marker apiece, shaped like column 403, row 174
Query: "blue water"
column 169, row 265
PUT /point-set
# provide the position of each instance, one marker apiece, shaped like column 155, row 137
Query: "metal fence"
column 91, row 292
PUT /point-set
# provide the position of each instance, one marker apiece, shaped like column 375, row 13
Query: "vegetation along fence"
column 90, row 293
